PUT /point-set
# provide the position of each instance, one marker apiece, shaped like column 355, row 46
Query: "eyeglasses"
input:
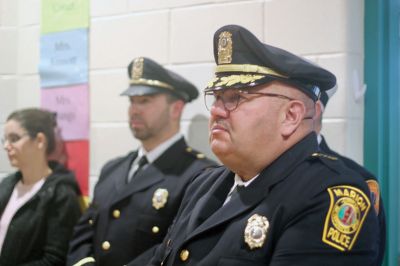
column 12, row 138
column 231, row 98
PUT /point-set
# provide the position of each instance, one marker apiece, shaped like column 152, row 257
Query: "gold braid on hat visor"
column 247, row 68
column 241, row 74
column 151, row 82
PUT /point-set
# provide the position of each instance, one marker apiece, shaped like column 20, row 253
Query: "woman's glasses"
column 12, row 138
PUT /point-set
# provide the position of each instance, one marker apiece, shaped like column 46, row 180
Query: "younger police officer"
column 277, row 200
column 138, row 195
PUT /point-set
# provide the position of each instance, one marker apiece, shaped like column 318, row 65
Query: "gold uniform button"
column 184, row 255
column 155, row 229
column 116, row 214
column 200, row 156
column 106, row 245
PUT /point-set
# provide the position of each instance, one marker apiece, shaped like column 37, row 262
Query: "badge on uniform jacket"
column 256, row 230
column 348, row 208
column 160, row 198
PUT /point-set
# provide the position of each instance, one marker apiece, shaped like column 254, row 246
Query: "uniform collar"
column 240, row 182
column 287, row 162
column 160, row 149
column 319, row 138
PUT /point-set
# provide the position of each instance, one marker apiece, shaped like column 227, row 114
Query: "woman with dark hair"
column 39, row 203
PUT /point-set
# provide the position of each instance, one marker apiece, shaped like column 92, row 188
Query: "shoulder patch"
column 197, row 154
column 375, row 193
column 347, row 211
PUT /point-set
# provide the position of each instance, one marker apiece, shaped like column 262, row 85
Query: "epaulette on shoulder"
column 324, row 156
column 195, row 153
column 330, row 161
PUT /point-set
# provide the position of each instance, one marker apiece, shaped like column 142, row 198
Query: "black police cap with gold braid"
column 148, row 77
column 243, row 61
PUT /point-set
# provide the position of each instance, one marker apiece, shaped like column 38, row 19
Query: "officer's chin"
column 219, row 147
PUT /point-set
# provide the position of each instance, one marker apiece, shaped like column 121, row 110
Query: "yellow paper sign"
column 62, row 15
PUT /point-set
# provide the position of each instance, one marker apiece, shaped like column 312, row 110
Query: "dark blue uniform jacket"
column 304, row 209
column 123, row 221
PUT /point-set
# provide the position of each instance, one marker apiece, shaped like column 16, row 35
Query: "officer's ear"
column 177, row 108
column 318, row 116
column 292, row 115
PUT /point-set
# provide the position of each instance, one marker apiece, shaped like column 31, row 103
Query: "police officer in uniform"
column 371, row 180
column 138, row 195
column 277, row 200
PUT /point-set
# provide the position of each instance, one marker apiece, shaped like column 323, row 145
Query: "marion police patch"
column 348, row 208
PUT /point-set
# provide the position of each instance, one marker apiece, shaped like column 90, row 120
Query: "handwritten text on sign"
column 71, row 105
column 62, row 15
column 64, row 58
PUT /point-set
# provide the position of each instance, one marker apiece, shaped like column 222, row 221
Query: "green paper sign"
column 62, row 15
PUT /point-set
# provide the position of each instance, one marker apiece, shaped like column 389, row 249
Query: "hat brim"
column 245, row 81
column 141, row 90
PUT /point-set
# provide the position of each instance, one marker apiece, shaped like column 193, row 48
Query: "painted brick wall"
column 179, row 34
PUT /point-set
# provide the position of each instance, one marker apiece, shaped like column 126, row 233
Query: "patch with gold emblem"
column 225, row 48
column 256, row 230
column 137, row 69
column 348, row 208
column 375, row 194
column 160, row 198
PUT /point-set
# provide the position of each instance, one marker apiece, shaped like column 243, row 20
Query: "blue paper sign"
column 64, row 58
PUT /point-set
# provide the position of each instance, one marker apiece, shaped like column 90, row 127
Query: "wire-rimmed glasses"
column 231, row 98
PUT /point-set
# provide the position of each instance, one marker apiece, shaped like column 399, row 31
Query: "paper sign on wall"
column 78, row 162
column 72, row 107
column 64, row 58
column 62, row 15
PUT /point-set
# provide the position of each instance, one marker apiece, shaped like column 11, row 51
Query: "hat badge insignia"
column 225, row 48
column 137, row 69
column 256, row 230
column 160, row 198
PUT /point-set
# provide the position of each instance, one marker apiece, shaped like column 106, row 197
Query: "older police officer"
column 277, row 200
column 138, row 195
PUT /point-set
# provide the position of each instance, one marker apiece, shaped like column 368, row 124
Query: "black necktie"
column 233, row 193
column 142, row 162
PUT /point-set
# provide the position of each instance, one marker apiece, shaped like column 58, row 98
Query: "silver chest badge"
column 160, row 198
column 256, row 230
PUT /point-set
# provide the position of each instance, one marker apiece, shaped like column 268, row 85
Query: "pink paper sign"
column 72, row 107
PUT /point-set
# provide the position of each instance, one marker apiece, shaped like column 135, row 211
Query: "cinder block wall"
column 179, row 35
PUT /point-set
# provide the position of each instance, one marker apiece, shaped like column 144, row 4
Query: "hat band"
column 151, row 82
column 246, row 68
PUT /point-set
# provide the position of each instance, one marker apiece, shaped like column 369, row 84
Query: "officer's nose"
column 218, row 109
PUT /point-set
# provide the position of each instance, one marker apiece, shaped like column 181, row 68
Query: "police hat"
column 148, row 77
column 243, row 61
